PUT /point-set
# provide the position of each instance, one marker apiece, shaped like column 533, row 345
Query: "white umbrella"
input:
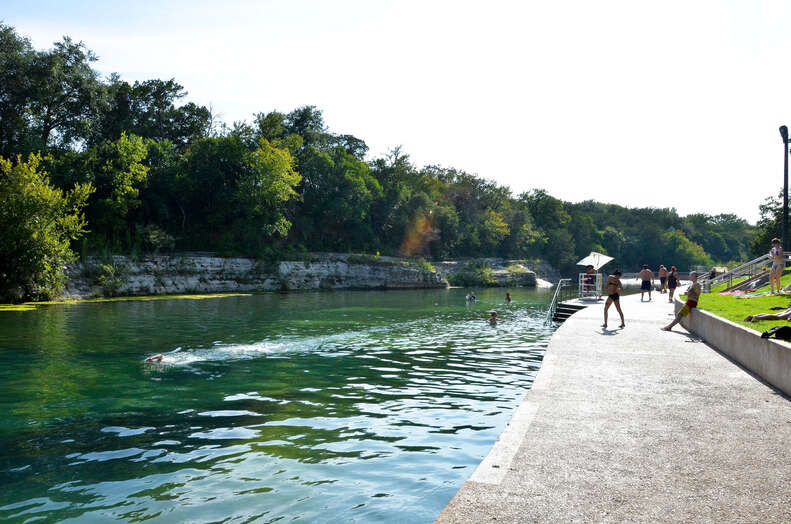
column 597, row 260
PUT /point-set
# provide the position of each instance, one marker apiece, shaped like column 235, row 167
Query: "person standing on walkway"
column 778, row 264
column 672, row 282
column 647, row 276
column 693, row 293
column 613, row 287
column 662, row 279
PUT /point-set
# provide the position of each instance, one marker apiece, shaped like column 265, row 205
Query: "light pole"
column 784, row 134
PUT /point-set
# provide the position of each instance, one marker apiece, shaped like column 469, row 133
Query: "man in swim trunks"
column 613, row 288
column 693, row 293
column 778, row 265
column 662, row 278
column 672, row 282
column 647, row 276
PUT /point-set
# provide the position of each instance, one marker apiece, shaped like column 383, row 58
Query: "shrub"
column 37, row 222
column 112, row 278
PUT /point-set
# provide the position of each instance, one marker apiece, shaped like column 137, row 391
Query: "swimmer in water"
column 492, row 317
column 156, row 358
column 508, row 297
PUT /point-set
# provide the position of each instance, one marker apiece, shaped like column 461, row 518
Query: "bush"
column 474, row 274
column 155, row 239
column 37, row 223
column 112, row 278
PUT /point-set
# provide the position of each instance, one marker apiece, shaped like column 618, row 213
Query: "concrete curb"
column 769, row 359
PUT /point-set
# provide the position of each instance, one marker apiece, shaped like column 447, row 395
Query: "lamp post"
column 784, row 134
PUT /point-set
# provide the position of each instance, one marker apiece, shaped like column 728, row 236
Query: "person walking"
column 662, row 279
column 672, row 282
column 613, row 288
column 647, row 276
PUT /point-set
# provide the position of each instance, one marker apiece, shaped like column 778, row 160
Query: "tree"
column 65, row 95
column 37, row 222
column 16, row 58
column 148, row 109
column 265, row 187
column 770, row 224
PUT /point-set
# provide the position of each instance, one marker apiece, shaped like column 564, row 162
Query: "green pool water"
column 361, row 406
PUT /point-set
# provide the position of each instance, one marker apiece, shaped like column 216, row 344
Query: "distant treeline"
column 149, row 173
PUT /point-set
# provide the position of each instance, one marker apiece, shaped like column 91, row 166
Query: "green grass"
column 735, row 309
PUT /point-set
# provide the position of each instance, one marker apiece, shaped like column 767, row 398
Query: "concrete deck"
column 637, row 425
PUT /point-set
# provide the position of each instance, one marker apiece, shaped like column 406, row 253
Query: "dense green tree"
column 48, row 99
column 166, row 173
column 37, row 223
column 148, row 109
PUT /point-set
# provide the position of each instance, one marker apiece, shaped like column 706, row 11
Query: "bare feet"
column 666, row 328
column 604, row 326
column 622, row 325
column 748, row 318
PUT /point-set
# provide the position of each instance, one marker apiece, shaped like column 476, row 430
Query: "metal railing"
column 556, row 298
column 748, row 269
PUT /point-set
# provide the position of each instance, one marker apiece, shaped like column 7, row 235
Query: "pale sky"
column 662, row 104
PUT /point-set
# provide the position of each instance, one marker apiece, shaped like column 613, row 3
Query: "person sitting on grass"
column 693, row 293
column 785, row 315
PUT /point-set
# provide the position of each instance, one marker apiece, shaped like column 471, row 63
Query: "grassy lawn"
column 735, row 309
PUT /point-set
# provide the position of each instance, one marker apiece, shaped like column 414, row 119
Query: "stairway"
column 565, row 310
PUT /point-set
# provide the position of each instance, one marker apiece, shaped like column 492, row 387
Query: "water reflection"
column 327, row 406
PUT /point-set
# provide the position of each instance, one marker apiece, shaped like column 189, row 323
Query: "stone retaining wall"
column 770, row 359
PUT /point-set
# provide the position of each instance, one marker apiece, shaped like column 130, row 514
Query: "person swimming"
column 492, row 317
column 155, row 359
column 471, row 296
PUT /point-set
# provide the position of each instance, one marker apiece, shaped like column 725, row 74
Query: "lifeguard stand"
column 590, row 285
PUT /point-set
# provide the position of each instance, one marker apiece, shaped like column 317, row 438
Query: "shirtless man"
column 778, row 265
column 662, row 278
column 647, row 276
column 613, row 287
column 693, row 293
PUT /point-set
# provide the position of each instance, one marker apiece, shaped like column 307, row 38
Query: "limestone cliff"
column 194, row 273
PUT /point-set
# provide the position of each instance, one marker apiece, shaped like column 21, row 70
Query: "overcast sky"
column 663, row 104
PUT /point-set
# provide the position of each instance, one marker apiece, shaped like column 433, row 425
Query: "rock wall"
column 521, row 272
column 160, row 275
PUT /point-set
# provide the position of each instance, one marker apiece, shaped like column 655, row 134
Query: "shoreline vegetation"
column 97, row 167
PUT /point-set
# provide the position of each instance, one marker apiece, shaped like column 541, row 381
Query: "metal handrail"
column 748, row 268
column 553, row 306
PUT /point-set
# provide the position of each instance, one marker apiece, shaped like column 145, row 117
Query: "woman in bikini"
column 672, row 282
column 778, row 264
column 613, row 287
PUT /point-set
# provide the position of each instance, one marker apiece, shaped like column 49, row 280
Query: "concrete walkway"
column 636, row 425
